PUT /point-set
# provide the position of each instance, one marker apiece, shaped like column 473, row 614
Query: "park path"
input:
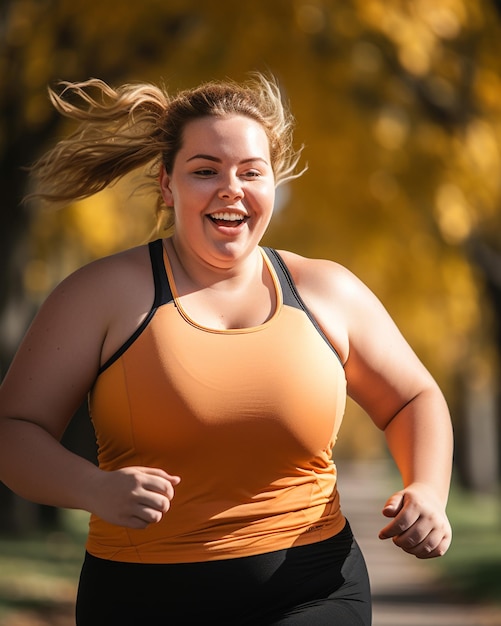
column 406, row 591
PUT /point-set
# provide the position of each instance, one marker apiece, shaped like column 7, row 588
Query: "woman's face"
column 222, row 189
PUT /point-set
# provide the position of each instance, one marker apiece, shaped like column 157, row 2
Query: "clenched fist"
column 134, row 497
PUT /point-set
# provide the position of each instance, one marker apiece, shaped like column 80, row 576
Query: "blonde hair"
column 141, row 125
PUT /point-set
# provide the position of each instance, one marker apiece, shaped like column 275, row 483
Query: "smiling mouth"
column 227, row 219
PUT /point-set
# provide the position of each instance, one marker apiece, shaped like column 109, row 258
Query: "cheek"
column 266, row 200
column 187, row 200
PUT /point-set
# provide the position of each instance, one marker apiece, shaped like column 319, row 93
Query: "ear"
column 165, row 190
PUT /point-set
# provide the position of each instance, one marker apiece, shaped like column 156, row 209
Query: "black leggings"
column 320, row 584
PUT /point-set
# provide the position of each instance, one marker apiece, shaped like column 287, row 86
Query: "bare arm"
column 389, row 382
column 387, row 379
column 49, row 378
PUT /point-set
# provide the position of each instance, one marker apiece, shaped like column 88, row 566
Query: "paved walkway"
column 406, row 590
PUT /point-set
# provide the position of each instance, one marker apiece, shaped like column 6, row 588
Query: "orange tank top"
column 246, row 417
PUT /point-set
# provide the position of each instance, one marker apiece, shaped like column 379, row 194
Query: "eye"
column 251, row 174
column 204, row 172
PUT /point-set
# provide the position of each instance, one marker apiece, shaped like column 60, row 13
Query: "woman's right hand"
column 134, row 497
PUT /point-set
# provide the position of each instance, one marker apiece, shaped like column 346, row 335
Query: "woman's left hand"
column 419, row 525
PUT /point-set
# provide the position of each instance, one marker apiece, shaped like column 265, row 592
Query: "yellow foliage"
column 453, row 214
column 398, row 105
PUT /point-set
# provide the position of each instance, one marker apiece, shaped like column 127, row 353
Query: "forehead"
column 234, row 133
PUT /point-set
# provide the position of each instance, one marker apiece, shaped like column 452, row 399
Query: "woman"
column 217, row 374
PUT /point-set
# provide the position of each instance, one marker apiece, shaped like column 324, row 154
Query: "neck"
column 194, row 274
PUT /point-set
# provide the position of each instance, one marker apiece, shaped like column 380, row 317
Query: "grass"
column 39, row 574
column 473, row 564
column 471, row 569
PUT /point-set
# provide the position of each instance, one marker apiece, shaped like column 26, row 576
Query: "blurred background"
column 398, row 105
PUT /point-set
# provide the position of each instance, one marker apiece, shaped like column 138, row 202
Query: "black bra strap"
column 163, row 293
column 291, row 295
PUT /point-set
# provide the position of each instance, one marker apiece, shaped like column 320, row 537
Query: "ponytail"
column 119, row 131
column 136, row 126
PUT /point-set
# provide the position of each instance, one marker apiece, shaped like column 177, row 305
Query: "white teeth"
column 229, row 217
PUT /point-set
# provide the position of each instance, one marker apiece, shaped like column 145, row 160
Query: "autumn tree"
column 397, row 105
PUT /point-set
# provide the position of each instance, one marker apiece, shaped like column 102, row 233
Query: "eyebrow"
column 209, row 157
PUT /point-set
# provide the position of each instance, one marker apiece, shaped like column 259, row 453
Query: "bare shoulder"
column 85, row 318
column 108, row 272
column 382, row 371
column 331, row 292
column 323, row 278
column 99, row 287
column 110, row 297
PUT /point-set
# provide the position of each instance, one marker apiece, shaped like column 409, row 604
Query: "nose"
column 231, row 188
